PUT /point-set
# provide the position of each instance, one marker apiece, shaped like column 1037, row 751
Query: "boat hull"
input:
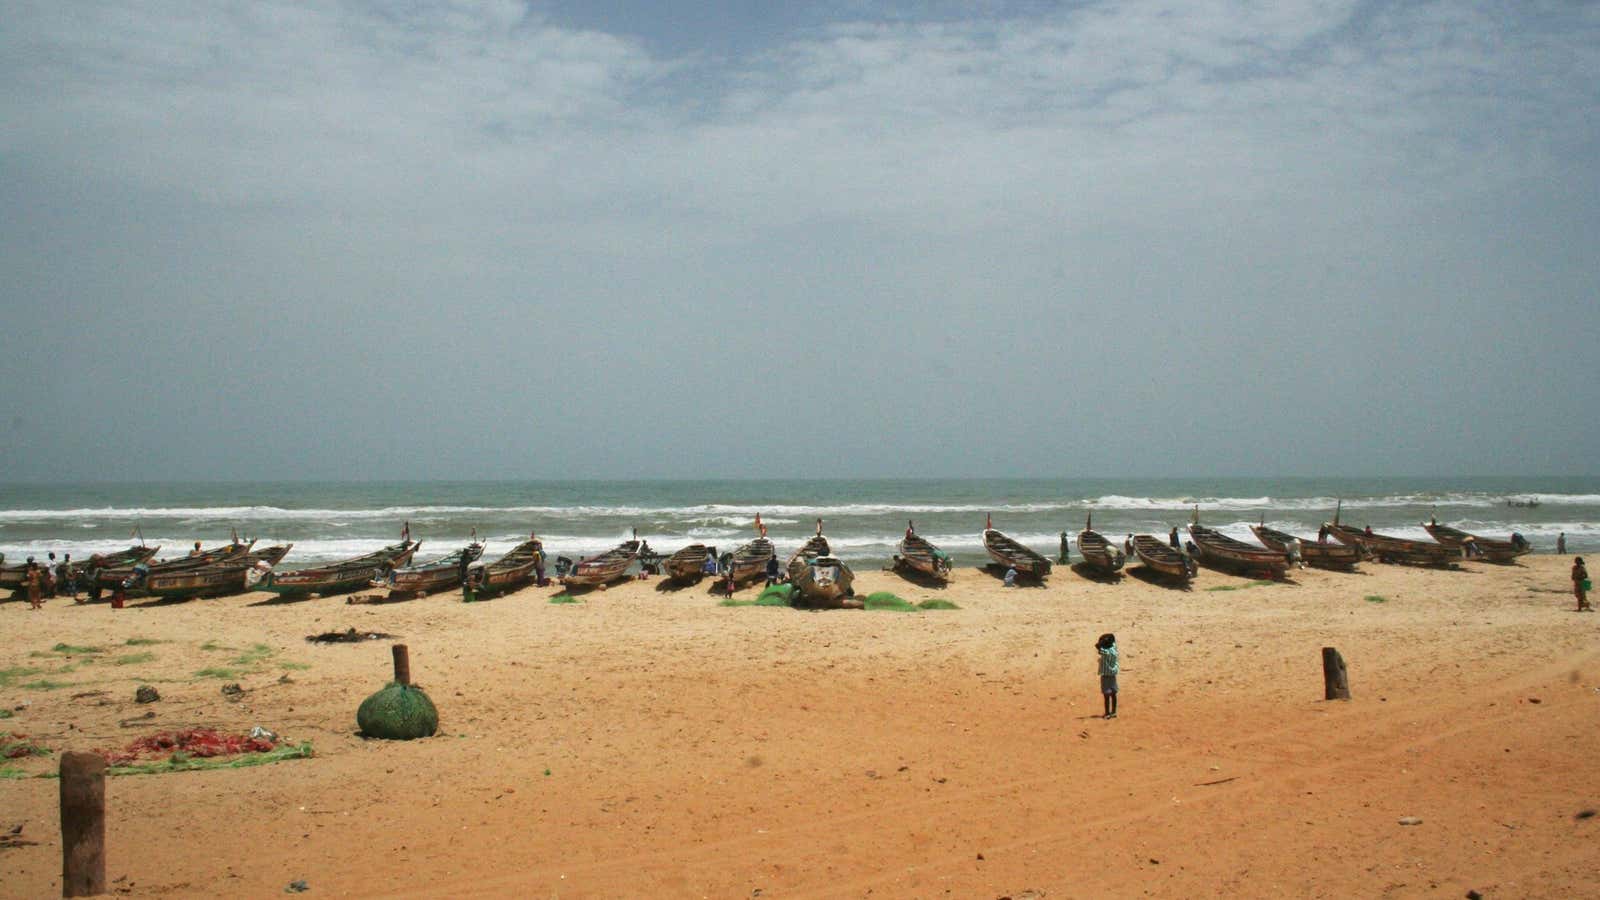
column 339, row 578
column 687, row 564
column 1011, row 554
column 917, row 554
column 1312, row 553
column 1100, row 553
column 823, row 582
column 1395, row 550
column 218, row 580
column 1217, row 549
column 1495, row 551
column 1160, row 557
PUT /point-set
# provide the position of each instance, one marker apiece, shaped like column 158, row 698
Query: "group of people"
column 42, row 581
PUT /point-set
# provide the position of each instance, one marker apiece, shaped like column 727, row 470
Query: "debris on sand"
column 348, row 636
column 146, row 694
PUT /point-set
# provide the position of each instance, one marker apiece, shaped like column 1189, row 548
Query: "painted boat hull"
column 1008, row 552
column 1312, row 552
column 749, row 562
column 917, row 554
column 823, row 581
column 1224, row 552
column 341, row 577
column 1400, row 551
column 217, row 580
column 687, row 564
column 441, row 574
column 1494, row 551
column 605, row 568
column 1100, row 553
column 1158, row 556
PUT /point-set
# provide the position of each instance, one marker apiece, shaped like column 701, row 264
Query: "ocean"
column 863, row 518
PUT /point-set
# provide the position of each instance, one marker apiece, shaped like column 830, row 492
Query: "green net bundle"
column 399, row 712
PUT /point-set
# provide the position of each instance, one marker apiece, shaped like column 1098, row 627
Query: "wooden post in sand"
column 402, row 664
column 83, row 824
column 1335, row 680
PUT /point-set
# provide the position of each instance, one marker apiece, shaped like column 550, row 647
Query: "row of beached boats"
column 820, row 578
column 1279, row 550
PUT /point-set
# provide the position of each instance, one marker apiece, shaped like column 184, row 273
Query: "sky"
column 618, row 239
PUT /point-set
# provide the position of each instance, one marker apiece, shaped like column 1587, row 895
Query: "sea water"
column 862, row 518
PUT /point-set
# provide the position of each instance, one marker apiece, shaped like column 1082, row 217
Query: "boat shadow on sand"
column 669, row 585
column 1092, row 573
column 282, row 599
column 919, row 578
column 1159, row 579
column 998, row 573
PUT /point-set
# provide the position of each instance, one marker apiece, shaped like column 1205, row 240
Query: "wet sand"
column 650, row 742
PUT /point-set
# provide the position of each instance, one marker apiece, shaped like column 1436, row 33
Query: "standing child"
column 1580, row 583
column 1107, row 645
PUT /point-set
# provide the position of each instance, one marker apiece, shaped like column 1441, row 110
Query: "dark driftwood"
column 402, row 664
column 1335, row 679
column 83, row 824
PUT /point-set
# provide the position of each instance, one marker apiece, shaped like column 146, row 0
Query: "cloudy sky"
column 617, row 238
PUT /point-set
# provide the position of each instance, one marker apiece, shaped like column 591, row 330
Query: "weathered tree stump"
column 402, row 664
column 83, row 824
column 1335, row 679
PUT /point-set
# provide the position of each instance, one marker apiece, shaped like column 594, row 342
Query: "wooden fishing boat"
column 508, row 572
column 1389, row 549
column 215, row 580
column 1161, row 557
column 1098, row 552
column 440, row 574
column 918, row 554
column 606, row 567
column 689, row 563
column 821, row 581
column 340, row 577
column 1491, row 550
column 132, row 577
column 11, row 576
column 815, row 546
column 1225, row 552
column 1312, row 552
column 749, row 562
column 1011, row 554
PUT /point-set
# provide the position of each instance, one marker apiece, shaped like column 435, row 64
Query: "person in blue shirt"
column 1107, row 646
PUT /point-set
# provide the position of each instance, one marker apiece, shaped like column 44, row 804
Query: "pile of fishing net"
column 194, row 743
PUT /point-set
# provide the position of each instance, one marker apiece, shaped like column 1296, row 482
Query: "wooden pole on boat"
column 1335, row 678
column 402, row 664
column 83, row 824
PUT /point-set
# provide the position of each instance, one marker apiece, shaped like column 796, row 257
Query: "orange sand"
column 653, row 743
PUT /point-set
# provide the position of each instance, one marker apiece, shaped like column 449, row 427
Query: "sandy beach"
column 651, row 742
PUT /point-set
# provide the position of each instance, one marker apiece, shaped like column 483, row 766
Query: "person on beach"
column 51, row 580
column 1066, row 551
column 538, row 566
column 732, row 585
column 1172, row 538
column 1107, row 647
column 1580, row 583
column 67, row 578
column 1127, row 547
column 1561, row 544
column 1011, row 576
column 33, row 580
column 772, row 571
column 196, row 551
column 1368, row 531
column 1322, row 534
